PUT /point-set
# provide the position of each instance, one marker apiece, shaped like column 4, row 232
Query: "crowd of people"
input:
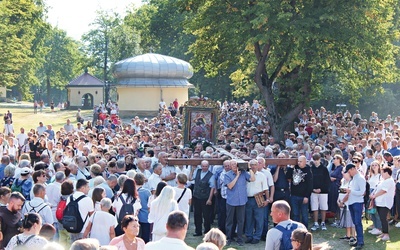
column 108, row 183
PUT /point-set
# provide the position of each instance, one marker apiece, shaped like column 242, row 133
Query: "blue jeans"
column 254, row 219
column 299, row 209
column 376, row 220
column 356, row 215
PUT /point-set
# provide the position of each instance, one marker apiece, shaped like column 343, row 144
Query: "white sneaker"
column 315, row 227
column 376, row 232
column 398, row 224
column 323, row 226
column 370, row 231
column 385, row 237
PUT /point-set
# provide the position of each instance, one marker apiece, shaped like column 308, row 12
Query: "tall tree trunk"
column 48, row 87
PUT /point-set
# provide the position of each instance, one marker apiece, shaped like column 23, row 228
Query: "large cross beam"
column 219, row 161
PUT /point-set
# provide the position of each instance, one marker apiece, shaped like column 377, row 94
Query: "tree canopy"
column 289, row 48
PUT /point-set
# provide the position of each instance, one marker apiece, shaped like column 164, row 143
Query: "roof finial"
column 86, row 70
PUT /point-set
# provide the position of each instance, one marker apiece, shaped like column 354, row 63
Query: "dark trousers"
column 230, row 214
column 397, row 205
column 383, row 212
column 145, row 231
column 201, row 212
column 356, row 215
column 221, row 212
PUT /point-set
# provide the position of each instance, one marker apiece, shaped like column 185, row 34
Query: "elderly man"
column 53, row 191
column 168, row 172
column 255, row 213
column 37, row 205
column 301, row 188
column 280, row 213
column 236, row 181
column 202, row 197
column 271, row 186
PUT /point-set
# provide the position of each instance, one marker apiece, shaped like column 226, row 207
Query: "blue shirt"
column 144, row 195
column 2, row 167
column 237, row 196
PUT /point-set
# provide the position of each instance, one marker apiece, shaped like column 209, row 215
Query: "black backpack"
column 286, row 242
column 72, row 219
column 33, row 209
column 126, row 209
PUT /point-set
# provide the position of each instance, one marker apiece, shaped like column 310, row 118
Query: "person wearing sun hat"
column 355, row 199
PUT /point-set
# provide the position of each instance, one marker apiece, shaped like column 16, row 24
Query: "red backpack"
column 60, row 209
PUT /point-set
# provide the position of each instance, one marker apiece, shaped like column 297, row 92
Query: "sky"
column 75, row 16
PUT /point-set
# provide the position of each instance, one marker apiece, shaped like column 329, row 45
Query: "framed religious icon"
column 200, row 121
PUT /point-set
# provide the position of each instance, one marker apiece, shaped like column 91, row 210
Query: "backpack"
column 21, row 245
column 72, row 219
column 33, row 209
column 15, row 187
column 286, row 243
column 60, row 209
column 127, row 208
column 367, row 193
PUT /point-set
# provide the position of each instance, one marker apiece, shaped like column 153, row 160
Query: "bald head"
column 302, row 161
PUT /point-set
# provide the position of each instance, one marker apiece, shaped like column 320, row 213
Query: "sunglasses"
column 84, row 161
column 355, row 161
column 98, row 157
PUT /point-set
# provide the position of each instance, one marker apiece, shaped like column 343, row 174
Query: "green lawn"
column 331, row 237
column 24, row 116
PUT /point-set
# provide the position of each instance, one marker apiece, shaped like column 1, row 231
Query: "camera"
column 243, row 166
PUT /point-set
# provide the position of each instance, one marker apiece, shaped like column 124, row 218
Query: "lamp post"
column 38, row 93
column 107, row 91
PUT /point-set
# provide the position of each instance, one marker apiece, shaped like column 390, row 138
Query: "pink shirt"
column 119, row 243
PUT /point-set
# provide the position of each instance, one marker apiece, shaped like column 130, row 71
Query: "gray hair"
column 121, row 180
column 60, row 176
column 9, row 171
column 106, row 203
column 131, row 173
column 112, row 177
column 24, row 163
column 98, row 180
column 120, row 164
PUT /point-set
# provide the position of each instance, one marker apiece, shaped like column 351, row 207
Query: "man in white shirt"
column 8, row 128
column 140, row 169
column 37, row 205
column 254, row 213
column 177, row 225
column 69, row 127
column 155, row 178
column 86, row 206
column 41, row 129
column 53, row 191
column 168, row 172
column 22, row 137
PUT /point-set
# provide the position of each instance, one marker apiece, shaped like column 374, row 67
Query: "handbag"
column 371, row 207
column 260, row 199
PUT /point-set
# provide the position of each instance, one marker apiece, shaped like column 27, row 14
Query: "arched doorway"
column 87, row 101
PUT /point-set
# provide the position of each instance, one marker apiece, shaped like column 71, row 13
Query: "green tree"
column 161, row 27
column 62, row 61
column 22, row 31
column 287, row 48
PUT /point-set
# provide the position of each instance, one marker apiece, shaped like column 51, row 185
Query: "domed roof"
column 152, row 66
